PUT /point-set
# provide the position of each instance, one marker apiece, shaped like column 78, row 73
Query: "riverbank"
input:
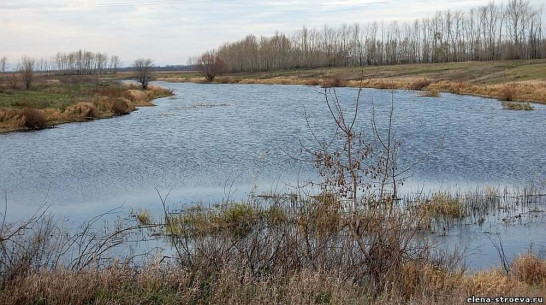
column 271, row 249
column 513, row 80
column 54, row 100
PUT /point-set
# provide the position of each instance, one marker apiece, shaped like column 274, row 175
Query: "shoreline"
column 518, row 81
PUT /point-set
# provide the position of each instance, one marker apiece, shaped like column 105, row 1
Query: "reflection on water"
column 213, row 139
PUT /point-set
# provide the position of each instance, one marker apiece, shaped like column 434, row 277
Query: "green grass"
column 56, row 92
column 54, row 96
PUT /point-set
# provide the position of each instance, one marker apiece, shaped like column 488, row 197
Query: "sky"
column 170, row 31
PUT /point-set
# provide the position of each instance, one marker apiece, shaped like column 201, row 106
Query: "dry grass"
column 430, row 93
column 284, row 250
column 332, row 82
column 170, row 284
column 419, row 84
column 530, row 270
column 507, row 92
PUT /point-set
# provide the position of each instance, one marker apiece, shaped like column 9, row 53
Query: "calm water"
column 208, row 137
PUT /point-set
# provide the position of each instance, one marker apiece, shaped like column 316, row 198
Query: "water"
column 211, row 140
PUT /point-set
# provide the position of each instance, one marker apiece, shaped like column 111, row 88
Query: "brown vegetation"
column 83, row 110
column 33, row 119
column 157, row 284
column 121, row 106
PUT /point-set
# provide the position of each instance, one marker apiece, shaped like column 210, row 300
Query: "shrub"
column 84, row 110
column 419, row 84
column 33, row 119
column 507, row 93
column 120, row 106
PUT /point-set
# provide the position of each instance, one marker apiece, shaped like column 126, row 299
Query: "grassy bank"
column 54, row 100
column 521, row 80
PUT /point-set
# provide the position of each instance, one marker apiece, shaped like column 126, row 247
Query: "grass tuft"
column 84, row 110
column 517, row 106
column 530, row 270
column 33, row 119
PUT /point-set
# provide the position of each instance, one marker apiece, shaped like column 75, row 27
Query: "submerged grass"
column 517, row 106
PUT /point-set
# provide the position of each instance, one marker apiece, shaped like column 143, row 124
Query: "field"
column 515, row 80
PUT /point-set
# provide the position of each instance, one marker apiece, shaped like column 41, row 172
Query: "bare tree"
column 210, row 64
column 491, row 32
column 3, row 64
column 114, row 64
column 27, row 71
column 144, row 69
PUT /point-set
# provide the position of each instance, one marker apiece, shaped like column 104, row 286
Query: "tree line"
column 491, row 32
column 79, row 62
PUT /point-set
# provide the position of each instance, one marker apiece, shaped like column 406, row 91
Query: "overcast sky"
column 169, row 31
